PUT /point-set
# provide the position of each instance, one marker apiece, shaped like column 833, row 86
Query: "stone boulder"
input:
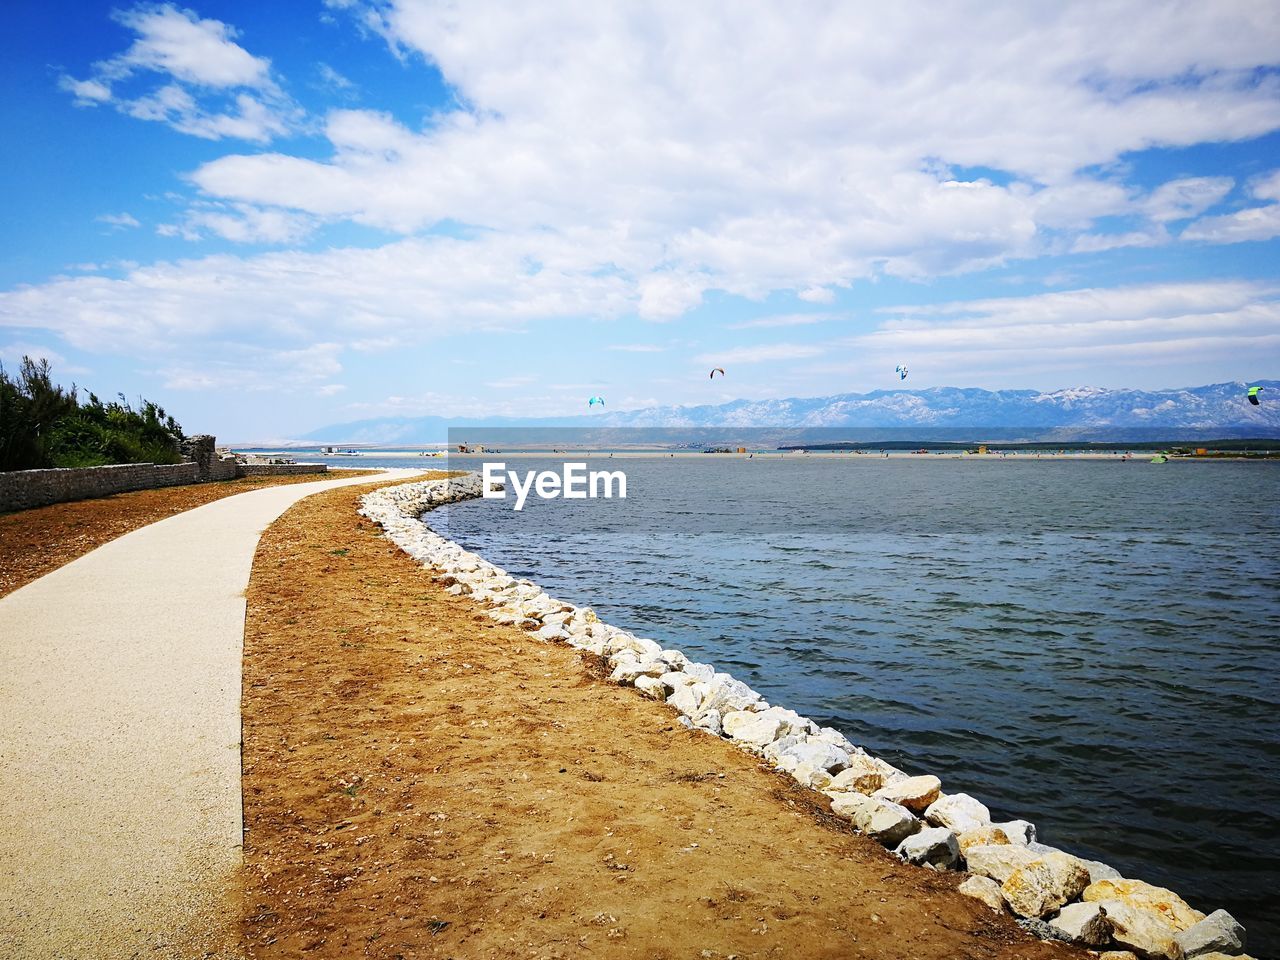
column 933, row 847
column 1083, row 923
column 753, row 729
column 981, row 836
column 1018, row 831
column 760, row 728
column 860, row 776
column 914, row 793
column 709, row 720
column 628, row 669
column 986, row 890
column 1219, row 932
column 1178, row 913
column 687, row 698
column 959, row 812
column 1044, row 885
column 812, row 762
column 886, row 822
column 997, row 861
column 726, row 694
column 651, row 687
column 1146, row 931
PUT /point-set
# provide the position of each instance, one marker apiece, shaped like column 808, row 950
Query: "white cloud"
column 414, row 290
column 259, row 369
column 1155, row 321
column 817, row 154
column 118, row 220
column 783, row 320
column 11, row 355
column 1256, row 223
column 1098, row 242
column 761, row 354
column 817, row 295
column 215, row 88
column 334, row 80
column 175, row 42
column 1252, row 223
column 240, row 223
column 1186, row 198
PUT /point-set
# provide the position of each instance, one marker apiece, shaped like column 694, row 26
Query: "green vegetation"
column 44, row 425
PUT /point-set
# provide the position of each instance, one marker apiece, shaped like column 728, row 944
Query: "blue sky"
column 271, row 217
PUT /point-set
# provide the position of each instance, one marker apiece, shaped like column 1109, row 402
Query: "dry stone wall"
column 278, row 469
column 1051, row 892
column 24, row 489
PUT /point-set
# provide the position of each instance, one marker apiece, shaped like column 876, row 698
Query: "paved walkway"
column 120, row 815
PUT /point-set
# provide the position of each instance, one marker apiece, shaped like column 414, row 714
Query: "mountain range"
column 1218, row 410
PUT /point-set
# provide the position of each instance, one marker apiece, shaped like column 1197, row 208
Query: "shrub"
column 43, row 425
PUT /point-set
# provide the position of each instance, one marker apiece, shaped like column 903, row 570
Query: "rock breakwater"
column 1053, row 893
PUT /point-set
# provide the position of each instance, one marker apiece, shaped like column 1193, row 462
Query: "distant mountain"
column 1217, row 410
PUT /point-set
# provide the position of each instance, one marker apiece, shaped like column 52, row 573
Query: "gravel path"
column 120, row 738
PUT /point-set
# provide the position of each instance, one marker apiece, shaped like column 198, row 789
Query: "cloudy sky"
column 271, row 217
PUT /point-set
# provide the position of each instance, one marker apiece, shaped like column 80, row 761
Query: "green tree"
column 43, row 425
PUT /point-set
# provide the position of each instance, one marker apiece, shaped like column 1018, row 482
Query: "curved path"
column 120, row 738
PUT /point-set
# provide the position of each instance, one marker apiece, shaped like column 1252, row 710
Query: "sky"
column 274, row 217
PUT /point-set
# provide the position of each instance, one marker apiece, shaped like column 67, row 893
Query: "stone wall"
column 22, row 489
column 201, row 450
column 278, row 469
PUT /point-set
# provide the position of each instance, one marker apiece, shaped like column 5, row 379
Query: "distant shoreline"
column 1136, row 455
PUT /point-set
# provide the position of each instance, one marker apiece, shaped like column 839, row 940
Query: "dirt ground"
column 421, row 782
column 34, row 542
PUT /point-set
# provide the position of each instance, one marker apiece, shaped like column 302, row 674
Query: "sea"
column 1092, row 645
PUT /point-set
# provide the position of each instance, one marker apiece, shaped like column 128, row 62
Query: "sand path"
column 120, row 738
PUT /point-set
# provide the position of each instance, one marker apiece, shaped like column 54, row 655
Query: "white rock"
column 959, row 811
column 1142, row 929
column 1018, row 831
column 861, row 775
column 997, row 861
column 758, row 730
column 1084, row 923
column 986, row 890
column 1146, row 896
column 914, row 793
column 753, row 729
column 981, row 836
column 702, row 672
column 727, row 695
column 1218, row 932
column 709, row 721
column 686, row 698
column 675, row 679
column 1045, row 885
column 886, row 822
column 814, row 753
column 934, row 846
column 651, row 687
column 626, row 671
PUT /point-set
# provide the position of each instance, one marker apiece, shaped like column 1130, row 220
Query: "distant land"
column 1218, row 410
